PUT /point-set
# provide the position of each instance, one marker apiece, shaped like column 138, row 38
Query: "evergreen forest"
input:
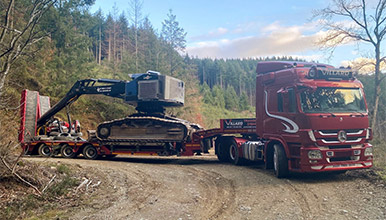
column 77, row 44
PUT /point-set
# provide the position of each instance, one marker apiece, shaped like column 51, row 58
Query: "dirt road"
column 204, row 188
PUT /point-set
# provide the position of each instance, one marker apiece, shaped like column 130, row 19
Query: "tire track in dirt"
column 300, row 198
column 220, row 192
column 203, row 188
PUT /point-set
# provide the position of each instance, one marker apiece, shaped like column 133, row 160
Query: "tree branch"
column 6, row 20
column 19, row 177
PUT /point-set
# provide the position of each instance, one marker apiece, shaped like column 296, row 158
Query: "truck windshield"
column 328, row 100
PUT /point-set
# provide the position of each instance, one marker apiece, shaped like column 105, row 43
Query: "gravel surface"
column 203, row 188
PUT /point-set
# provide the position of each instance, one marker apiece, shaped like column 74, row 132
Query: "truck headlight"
column 314, row 154
column 311, row 135
column 369, row 151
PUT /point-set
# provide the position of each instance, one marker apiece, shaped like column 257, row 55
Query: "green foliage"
column 218, row 96
column 63, row 169
column 243, row 104
column 212, row 115
column 208, row 97
column 379, row 152
column 62, row 188
column 172, row 33
column 369, row 84
column 231, row 99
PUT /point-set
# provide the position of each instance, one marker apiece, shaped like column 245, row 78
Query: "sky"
column 245, row 28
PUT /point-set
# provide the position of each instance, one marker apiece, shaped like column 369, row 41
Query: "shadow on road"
column 208, row 160
column 324, row 177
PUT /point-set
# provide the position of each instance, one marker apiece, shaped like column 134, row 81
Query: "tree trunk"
column 136, row 46
column 3, row 76
column 377, row 88
column 100, row 45
column 109, row 55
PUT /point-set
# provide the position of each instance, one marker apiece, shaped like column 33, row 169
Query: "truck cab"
column 313, row 117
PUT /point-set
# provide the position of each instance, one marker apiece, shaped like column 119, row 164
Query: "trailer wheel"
column 44, row 150
column 280, row 161
column 90, row 152
column 234, row 153
column 67, row 151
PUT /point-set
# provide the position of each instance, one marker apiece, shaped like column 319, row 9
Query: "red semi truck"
column 310, row 117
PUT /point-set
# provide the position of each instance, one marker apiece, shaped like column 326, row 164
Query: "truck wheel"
column 219, row 151
column 67, row 151
column 234, row 153
column 90, row 152
column 280, row 161
column 44, row 150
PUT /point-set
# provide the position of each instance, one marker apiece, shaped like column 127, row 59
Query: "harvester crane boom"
column 111, row 87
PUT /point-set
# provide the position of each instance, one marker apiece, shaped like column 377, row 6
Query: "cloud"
column 277, row 40
column 211, row 35
column 363, row 65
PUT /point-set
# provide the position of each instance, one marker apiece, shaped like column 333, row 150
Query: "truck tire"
column 233, row 151
column 280, row 161
column 44, row 150
column 67, row 151
column 219, row 151
column 90, row 152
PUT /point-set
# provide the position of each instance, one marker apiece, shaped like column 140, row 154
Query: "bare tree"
column 16, row 38
column 135, row 15
column 363, row 21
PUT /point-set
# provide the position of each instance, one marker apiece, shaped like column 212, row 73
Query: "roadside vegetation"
column 380, row 157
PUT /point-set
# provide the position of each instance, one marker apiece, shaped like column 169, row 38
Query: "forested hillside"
column 77, row 44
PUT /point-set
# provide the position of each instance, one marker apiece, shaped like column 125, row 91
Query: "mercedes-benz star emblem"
column 342, row 136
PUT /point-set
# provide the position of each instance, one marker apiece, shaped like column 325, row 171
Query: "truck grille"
column 328, row 137
column 335, row 132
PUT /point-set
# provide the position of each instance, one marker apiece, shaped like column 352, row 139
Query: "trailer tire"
column 67, row 151
column 280, row 161
column 90, row 152
column 44, row 150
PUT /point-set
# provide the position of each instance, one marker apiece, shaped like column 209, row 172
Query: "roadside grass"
column 380, row 157
column 47, row 206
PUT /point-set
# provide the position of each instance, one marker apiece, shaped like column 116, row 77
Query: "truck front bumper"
column 315, row 159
